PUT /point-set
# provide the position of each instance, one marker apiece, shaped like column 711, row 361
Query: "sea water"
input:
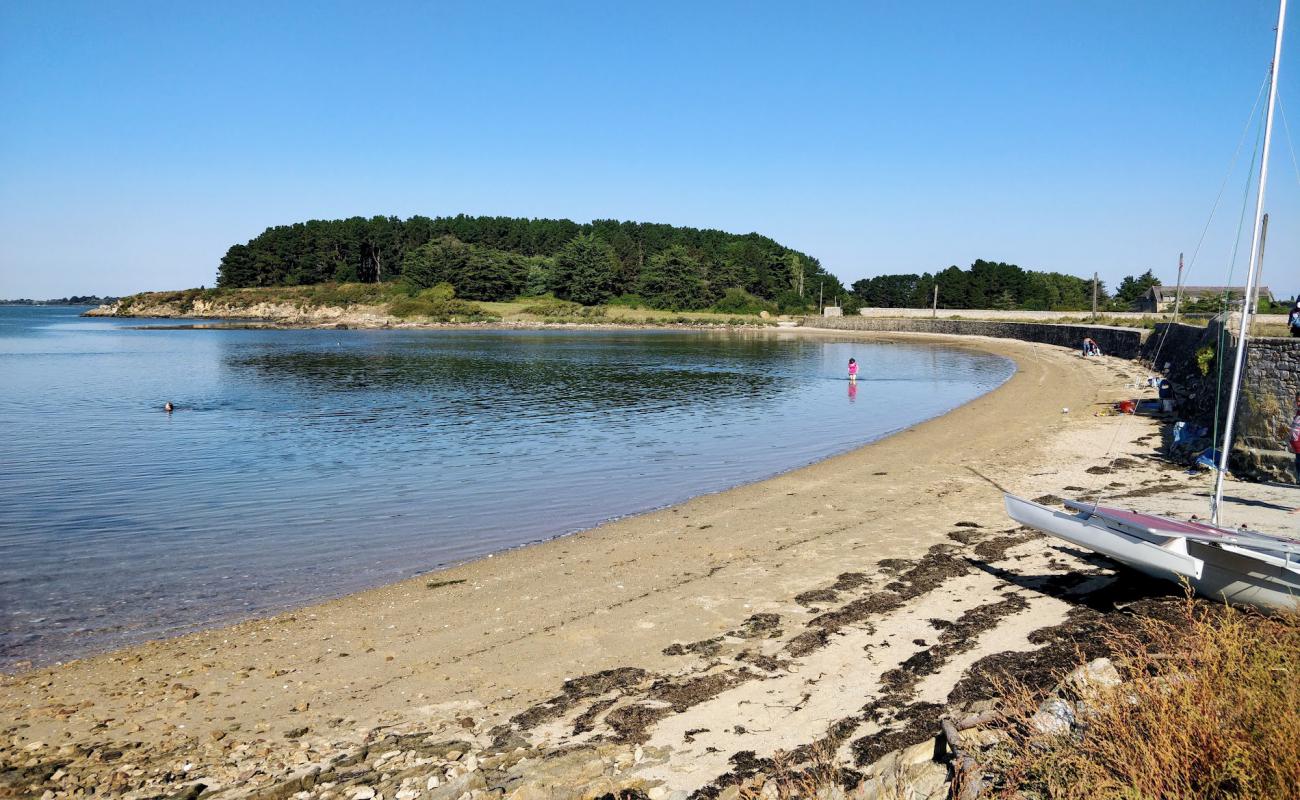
column 305, row 464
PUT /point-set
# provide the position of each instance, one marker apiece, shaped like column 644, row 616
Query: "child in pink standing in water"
column 853, row 369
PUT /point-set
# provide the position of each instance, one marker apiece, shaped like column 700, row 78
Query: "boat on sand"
column 1242, row 567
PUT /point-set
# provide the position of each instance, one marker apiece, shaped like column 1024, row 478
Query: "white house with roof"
column 1159, row 299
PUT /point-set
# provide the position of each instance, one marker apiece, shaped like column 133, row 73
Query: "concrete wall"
column 1122, row 342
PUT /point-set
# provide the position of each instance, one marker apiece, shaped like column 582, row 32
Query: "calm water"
column 300, row 465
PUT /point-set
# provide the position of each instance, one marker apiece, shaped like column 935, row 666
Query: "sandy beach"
column 844, row 603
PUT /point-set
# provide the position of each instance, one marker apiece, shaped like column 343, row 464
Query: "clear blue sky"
column 141, row 139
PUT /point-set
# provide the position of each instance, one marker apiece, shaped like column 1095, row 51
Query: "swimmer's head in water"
column 168, row 407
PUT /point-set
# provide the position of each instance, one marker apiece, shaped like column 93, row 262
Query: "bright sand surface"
column 461, row 651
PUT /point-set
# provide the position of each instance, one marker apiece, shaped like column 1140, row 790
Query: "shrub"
column 1211, row 709
column 441, row 291
column 555, row 309
column 1204, row 358
column 438, row 303
column 739, row 301
column 627, row 301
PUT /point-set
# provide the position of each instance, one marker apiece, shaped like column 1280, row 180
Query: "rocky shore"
column 833, row 619
column 192, row 309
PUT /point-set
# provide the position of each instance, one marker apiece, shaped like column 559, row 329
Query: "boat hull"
column 1212, row 571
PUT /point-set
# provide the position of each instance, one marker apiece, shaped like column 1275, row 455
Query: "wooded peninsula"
column 501, row 258
column 624, row 263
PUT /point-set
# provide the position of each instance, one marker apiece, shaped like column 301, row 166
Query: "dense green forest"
column 986, row 284
column 500, row 258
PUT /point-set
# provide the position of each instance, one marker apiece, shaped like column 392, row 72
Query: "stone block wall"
column 1267, row 405
column 1269, row 385
column 1122, row 342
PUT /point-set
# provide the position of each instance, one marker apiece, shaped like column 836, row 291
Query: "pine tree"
column 672, row 280
column 586, row 271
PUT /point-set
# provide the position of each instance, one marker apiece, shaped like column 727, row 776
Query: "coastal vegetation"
column 439, row 303
column 497, row 259
column 1209, row 708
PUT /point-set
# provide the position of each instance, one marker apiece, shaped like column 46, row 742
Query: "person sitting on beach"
column 1166, row 395
column 1090, row 347
column 853, row 369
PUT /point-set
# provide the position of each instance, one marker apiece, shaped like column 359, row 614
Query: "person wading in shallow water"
column 853, row 369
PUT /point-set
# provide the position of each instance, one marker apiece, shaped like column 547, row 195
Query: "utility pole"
column 821, row 305
column 1094, row 297
column 1178, row 291
column 934, row 309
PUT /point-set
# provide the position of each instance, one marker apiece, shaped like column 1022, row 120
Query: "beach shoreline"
column 464, row 651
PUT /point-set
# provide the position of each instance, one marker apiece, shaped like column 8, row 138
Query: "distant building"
column 832, row 311
column 1159, row 299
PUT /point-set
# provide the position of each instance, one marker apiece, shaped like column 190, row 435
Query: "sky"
column 140, row 140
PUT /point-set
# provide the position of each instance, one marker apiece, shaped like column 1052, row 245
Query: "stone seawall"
column 1268, row 393
column 1200, row 363
column 1042, row 316
column 1122, row 342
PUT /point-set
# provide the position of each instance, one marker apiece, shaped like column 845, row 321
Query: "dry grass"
column 812, row 780
column 1210, row 709
column 1269, row 329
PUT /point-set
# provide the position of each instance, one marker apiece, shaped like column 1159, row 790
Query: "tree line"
column 998, row 285
column 74, row 300
column 500, row 258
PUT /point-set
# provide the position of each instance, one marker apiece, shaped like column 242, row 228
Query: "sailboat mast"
column 1247, row 310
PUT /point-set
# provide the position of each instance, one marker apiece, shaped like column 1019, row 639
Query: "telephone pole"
column 1094, row 297
column 1178, row 290
column 934, row 309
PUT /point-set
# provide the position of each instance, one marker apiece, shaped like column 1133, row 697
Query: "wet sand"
column 828, row 599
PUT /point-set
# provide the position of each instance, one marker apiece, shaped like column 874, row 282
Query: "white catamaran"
column 1240, row 566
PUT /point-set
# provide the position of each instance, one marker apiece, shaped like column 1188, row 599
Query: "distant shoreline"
column 48, row 304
